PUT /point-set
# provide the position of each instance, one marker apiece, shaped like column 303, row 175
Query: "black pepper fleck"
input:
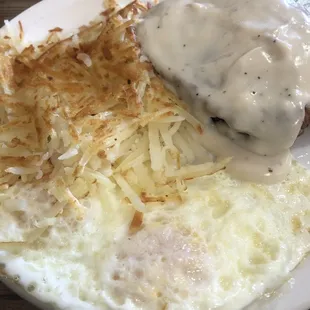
column 184, row 45
column 253, row 92
column 197, row 94
column 258, row 36
column 245, row 73
column 128, row 82
column 258, row 77
column 289, row 95
column 224, row 91
column 158, row 27
column 270, row 170
column 286, row 89
column 274, row 41
column 209, row 95
column 169, row 69
column 31, row 288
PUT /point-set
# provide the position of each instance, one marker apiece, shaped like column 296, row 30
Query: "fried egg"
column 225, row 245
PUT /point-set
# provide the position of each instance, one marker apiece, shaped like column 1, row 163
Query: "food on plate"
column 110, row 197
column 306, row 122
column 243, row 66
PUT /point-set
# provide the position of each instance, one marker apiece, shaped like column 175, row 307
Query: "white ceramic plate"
column 71, row 14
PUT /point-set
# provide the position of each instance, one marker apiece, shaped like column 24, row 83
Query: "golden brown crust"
column 136, row 223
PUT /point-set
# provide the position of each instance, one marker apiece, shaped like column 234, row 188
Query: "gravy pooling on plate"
column 244, row 68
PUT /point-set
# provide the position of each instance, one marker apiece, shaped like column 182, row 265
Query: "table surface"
column 8, row 299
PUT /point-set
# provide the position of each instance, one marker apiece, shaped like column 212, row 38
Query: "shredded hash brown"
column 90, row 110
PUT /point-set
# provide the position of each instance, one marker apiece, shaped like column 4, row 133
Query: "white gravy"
column 243, row 64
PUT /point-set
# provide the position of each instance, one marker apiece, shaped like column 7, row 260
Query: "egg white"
column 224, row 246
